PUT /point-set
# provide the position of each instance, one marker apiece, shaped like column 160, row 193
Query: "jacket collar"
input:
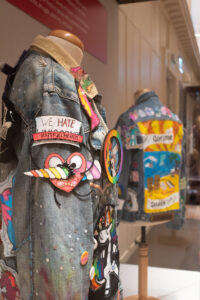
column 54, row 50
column 146, row 96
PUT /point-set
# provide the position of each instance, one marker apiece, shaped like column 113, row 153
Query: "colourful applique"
column 113, row 155
column 84, row 258
column 7, row 230
column 132, row 134
column 85, row 81
column 9, row 286
column 104, row 272
column 134, row 176
column 93, row 172
column 162, row 144
column 57, row 129
column 149, row 111
column 131, row 203
column 88, row 108
column 141, row 113
column 133, row 116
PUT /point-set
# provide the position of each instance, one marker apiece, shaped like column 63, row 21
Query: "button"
column 84, row 258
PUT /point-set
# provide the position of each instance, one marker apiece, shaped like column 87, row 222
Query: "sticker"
column 57, row 129
column 105, row 268
column 134, row 176
column 113, row 155
column 84, row 258
column 79, row 166
column 7, row 230
column 9, row 285
column 85, row 81
column 88, row 108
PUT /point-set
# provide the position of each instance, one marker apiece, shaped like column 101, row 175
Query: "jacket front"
column 150, row 180
column 53, row 218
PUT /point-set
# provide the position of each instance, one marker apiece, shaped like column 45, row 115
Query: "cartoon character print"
column 9, row 287
column 7, row 230
column 77, row 160
column 104, row 273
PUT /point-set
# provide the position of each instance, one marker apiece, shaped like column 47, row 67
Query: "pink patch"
column 68, row 185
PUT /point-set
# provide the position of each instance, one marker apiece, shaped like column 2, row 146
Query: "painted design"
column 57, row 129
column 7, row 230
column 84, row 258
column 85, row 81
column 113, row 155
column 141, row 113
column 131, row 136
column 149, row 111
column 104, row 273
column 88, row 108
column 9, row 286
column 162, row 144
column 133, row 116
column 76, row 160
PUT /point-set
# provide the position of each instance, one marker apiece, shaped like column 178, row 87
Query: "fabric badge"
column 133, row 116
column 85, row 81
column 57, row 129
column 88, row 108
column 113, row 155
column 99, row 133
column 93, row 172
column 104, row 273
column 134, row 176
column 131, row 203
column 9, row 285
column 7, row 229
column 131, row 137
column 63, row 174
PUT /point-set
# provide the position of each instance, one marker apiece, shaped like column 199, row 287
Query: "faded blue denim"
column 51, row 240
column 147, row 107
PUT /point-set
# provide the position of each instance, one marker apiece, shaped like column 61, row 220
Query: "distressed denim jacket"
column 152, row 176
column 54, row 222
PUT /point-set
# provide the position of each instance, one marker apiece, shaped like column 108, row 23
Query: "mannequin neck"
column 72, row 49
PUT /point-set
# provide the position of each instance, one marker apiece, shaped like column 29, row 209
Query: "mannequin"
column 55, row 213
column 69, row 42
column 149, row 191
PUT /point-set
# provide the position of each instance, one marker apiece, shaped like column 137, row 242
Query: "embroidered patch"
column 64, row 174
column 79, row 167
column 94, row 172
column 104, row 273
column 57, row 129
column 134, row 176
column 113, row 155
column 85, row 81
column 7, row 230
column 131, row 203
column 9, row 285
column 88, row 108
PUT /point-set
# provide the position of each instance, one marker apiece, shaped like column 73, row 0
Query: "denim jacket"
column 54, row 222
column 151, row 178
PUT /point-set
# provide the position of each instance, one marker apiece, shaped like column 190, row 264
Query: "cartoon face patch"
column 76, row 160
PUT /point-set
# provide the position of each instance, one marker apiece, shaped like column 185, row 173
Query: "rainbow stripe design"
column 52, row 173
column 113, row 155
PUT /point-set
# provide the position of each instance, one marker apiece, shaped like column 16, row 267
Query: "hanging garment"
column 57, row 190
column 152, row 173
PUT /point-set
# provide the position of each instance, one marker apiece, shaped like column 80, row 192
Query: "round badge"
column 113, row 155
column 84, row 258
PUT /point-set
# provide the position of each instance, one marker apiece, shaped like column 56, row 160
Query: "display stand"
column 143, row 264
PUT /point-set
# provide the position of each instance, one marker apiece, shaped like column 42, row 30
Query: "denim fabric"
column 50, row 240
column 148, row 111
